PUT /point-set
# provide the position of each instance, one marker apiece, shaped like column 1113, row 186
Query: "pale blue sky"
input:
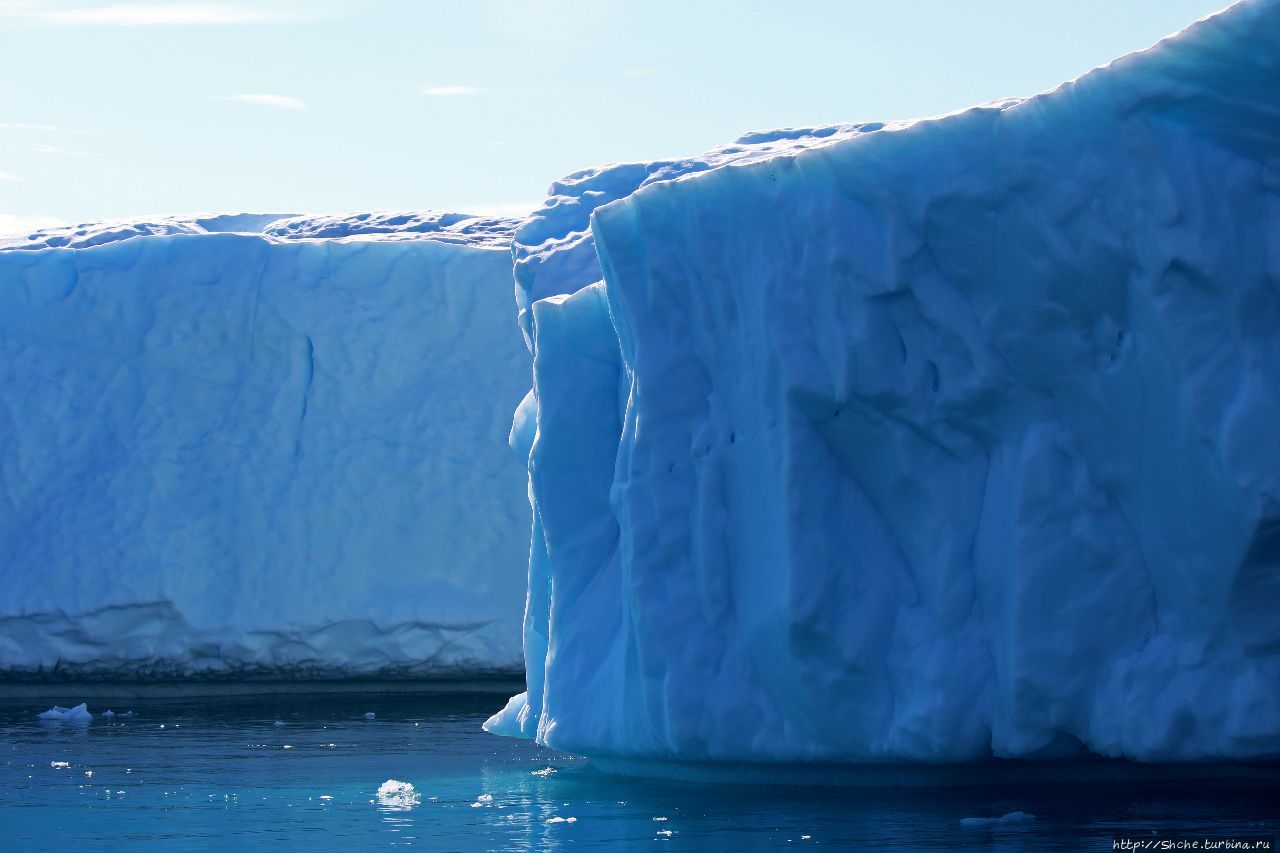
column 112, row 109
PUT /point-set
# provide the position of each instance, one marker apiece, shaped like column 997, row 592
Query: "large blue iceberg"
column 928, row 441
column 246, row 445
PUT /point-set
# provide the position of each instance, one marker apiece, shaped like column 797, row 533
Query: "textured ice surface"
column 441, row 227
column 948, row 440
column 411, row 225
column 224, row 454
column 90, row 234
column 395, row 795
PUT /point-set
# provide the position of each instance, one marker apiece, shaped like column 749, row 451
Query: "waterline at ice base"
column 922, row 444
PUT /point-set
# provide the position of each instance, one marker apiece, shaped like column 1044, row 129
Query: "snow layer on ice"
column 441, row 227
column 948, row 440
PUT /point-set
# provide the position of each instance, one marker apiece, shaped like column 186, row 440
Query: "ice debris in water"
column 59, row 765
column 1010, row 818
column 482, row 801
column 78, row 714
column 398, row 795
column 563, row 820
column 278, row 723
column 369, row 715
column 546, row 771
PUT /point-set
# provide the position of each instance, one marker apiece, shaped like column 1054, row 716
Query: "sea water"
column 312, row 772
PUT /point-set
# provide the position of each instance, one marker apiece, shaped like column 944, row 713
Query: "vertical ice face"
column 949, row 440
column 281, row 454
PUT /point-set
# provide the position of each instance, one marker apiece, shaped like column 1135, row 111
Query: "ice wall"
column 279, row 454
column 953, row 439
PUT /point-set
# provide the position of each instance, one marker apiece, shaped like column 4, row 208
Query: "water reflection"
column 423, row 774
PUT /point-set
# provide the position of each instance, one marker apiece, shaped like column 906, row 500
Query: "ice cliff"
column 928, row 441
column 246, row 445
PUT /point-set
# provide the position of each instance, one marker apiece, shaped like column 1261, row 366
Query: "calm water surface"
column 219, row 774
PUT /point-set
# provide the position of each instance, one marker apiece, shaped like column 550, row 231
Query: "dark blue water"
column 217, row 774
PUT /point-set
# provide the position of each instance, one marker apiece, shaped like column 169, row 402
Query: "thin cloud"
column 280, row 102
column 178, row 14
column 516, row 209
column 12, row 223
column 449, row 91
column 9, row 176
column 14, row 125
column 54, row 149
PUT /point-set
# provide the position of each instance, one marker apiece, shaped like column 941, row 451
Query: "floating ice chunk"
column 667, row 833
column 544, row 772
column 128, row 714
column 394, row 794
column 78, row 714
column 279, row 723
column 483, row 801
column 108, row 713
column 1010, row 818
column 59, row 765
column 563, row 820
column 88, row 774
column 369, row 715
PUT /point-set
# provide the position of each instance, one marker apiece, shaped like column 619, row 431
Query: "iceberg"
column 241, row 445
column 921, row 442
column 58, row 714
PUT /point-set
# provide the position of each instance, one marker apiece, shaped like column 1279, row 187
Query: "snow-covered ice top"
column 951, row 440
column 437, row 226
column 460, row 228
column 89, row 234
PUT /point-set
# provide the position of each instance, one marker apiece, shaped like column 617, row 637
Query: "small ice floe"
column 1004, row 820
column 665, row 833
column 326, row 797
column 59, row 714
column 369, row 715
column 483, row 801
column 659, row 818
column 544, row 772
column 128, row 714
column 563, row 820
column 108, row 713
column 59, row 765
column 394, row 794
column 279, row 724
column 88, row 774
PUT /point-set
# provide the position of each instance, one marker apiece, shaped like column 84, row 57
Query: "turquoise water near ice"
column 218, row 774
